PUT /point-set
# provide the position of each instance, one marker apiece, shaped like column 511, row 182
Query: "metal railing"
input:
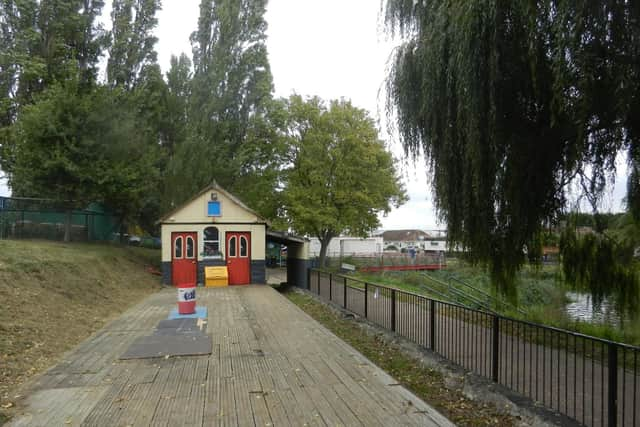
column 464, row 293
column 591, row 380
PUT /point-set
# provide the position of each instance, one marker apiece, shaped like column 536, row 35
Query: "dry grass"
column 54, row 295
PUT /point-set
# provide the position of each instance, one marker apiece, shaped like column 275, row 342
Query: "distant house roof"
column 404, row 235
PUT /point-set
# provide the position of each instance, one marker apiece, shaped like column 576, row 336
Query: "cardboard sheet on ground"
column 168, row 345
column 172, row 337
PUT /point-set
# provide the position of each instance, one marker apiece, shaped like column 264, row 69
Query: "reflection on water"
column 583, row 308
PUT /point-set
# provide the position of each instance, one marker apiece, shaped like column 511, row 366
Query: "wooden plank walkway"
column 271, row 365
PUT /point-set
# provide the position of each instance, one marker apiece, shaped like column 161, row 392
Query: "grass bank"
column 54, row 295
column 428, row 384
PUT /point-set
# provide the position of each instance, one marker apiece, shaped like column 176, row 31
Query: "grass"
column 427, row 383
column 54, row 295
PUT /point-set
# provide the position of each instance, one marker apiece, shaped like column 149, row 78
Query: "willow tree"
column 510, row 101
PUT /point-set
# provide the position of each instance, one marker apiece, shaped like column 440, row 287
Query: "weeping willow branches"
column 509, row 101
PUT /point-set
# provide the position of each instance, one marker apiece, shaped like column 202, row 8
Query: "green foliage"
column 341, row 176
column 229, row 97
column 47, row 42
column 67, row 137
column 178, row 86
column 597, row 264
column 132, row 45
column 511, row 101
column 43, row 42
column 75, row 146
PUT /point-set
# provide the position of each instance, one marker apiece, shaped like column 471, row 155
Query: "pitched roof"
column 404, row 235
column 215, row 187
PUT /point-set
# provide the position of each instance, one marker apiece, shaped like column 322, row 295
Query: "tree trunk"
column 67, row 226
column 325, row 239
column 324, row 245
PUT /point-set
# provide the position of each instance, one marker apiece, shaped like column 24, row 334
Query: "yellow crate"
column 216, row 276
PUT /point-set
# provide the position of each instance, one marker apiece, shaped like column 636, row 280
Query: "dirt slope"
column 54, row 295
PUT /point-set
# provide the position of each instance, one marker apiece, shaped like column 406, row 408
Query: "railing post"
column 344, row 295
column 613, row 385
column 330, row 285
column 432, row 325
column 393, row 310
column 308, row 279
column 366, row 298
column 495, row 344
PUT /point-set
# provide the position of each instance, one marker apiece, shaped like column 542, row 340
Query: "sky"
column 332, row 49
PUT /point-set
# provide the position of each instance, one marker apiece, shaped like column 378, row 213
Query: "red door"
column 239, row 257
column 183, row 259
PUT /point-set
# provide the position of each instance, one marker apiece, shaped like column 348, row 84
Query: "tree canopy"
column 510, row 101
column 341, row 176
column 65, row 135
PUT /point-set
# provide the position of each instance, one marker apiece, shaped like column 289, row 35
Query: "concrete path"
column 276, row 275
column 271, row 365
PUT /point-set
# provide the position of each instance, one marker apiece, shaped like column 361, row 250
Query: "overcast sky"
column 329, row 48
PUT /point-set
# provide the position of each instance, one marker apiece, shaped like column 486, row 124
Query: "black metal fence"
column 28, row 218
column 591, row 380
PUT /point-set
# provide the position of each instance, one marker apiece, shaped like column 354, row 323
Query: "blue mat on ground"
column 201, row 312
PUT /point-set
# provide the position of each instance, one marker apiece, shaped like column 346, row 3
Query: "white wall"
column 350, row 246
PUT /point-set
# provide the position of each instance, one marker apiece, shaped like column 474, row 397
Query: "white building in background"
column 348, row 246
column 434, row 244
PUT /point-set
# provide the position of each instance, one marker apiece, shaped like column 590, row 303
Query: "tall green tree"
column 510, row 101
column 230, row 93
column 44, row 42
column 179, row 89
column 74, row 146
column 132, row 44
column 341, row 177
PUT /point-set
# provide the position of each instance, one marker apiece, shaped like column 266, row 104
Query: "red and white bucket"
column 186, row 299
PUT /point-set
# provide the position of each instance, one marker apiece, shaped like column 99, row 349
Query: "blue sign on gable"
column 213, row 208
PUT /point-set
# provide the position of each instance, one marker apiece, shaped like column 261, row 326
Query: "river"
column 583, row 308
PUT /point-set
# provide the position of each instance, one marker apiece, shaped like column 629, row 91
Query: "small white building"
column 348, row 246
column 435, row 245
column 213, row 228
column 404, row 239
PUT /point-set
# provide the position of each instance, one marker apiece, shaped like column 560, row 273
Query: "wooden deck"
column 271, row 365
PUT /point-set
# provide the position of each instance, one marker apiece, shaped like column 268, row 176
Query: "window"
column 232, row 247
column 190, row 247
column 177, row 248
column 434, row 243
column 243, row 247
column 213, row 208
column 212, row 243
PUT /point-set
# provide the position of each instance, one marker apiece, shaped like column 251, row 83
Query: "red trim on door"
column 184, row 263
column 238, row 251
